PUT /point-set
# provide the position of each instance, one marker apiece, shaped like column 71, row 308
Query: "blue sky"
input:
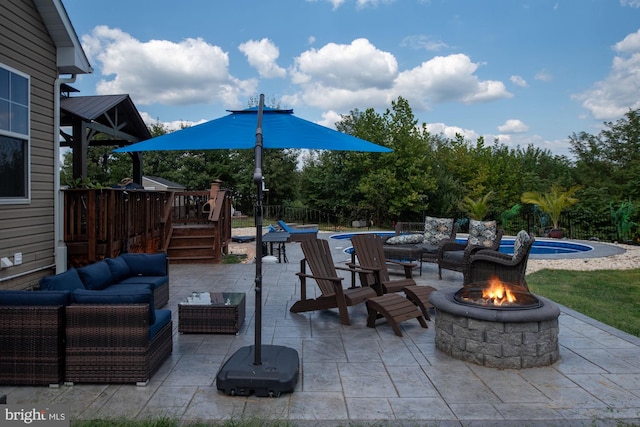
column 526, row 72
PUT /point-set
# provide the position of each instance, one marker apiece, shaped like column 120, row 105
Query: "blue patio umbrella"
column 257, row 128
column 237, row 131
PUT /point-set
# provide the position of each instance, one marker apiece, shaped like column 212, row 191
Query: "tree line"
column 425, row 172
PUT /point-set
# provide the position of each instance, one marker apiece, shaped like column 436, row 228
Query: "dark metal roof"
column 108, row 110
column 165, row 182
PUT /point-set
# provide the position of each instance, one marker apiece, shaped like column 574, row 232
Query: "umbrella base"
column 277, row 374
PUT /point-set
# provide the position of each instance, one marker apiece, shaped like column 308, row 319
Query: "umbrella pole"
column 257, row 179
column 278, row 372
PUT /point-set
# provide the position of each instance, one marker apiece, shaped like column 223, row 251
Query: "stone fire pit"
column 508, row 339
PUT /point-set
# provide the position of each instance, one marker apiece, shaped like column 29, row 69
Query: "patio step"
column 192, row 260
column 193, row 244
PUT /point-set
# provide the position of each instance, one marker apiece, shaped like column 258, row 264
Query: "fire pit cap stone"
column 444, row 300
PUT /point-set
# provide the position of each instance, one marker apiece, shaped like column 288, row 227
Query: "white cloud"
column 172, row 125
column 355, row 66
column 451, row 131
column 631, row 3
column 612, row 97
column 447, row 79
column 262, row 56
column 360, row 3
column 333, row 77
column 165, row 72
column 329, row 119
column 513, row 126
column 543, row 75
column 422, row 42
column 518, row 81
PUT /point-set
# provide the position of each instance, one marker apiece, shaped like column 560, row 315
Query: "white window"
column 14, row 136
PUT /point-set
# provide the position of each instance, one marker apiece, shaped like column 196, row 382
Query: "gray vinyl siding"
column 26, row 46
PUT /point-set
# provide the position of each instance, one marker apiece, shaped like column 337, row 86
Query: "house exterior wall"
column 26, row 46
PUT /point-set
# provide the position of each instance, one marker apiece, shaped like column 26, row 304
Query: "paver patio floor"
column 357, row 375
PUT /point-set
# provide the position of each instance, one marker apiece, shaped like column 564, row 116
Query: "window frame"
column 26, row 142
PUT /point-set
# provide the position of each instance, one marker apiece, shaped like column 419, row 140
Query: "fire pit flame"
column 497, row 294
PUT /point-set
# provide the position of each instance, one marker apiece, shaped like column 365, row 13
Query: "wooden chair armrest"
column 353, row 269
column 365, row 269
column 310, row 276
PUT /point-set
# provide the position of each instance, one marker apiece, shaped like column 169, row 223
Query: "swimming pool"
column 540, row 246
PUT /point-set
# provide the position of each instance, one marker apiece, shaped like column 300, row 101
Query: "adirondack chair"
column 369, row 251
column 317, row 255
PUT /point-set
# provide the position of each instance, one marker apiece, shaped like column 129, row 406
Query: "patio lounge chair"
column 317, row 255
column 455, row 256
column 298, row 234
column 486, row 263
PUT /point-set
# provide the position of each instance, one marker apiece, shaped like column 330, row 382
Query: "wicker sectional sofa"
column 96, row 324
column 124, row 270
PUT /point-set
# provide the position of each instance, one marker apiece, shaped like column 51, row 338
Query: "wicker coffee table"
column 211, row 313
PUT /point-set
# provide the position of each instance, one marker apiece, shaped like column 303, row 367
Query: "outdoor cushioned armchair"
column 487, row 263
column 423, row 235
column 455, row 256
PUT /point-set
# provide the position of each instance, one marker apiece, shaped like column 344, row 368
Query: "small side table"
column 281, row 238
column 211, row 313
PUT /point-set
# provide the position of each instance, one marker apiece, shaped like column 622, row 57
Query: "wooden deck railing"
column 102, row 223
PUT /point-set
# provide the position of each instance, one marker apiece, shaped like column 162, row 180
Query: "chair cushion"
column 405, row 239
column 119, row 268
column 162, row 318
column 146, row 264
column 96, row 276
column 482, row 233
column 437, row 229
column 69, row 281
column 519, row 243
column 117, row 295
column 453, row 257
column 154, row 282
column 39, row 298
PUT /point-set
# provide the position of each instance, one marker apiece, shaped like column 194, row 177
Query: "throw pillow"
column 405, row 239
column 96, row 275
column 437, row 229
column 482, row 233
column 518, row 245
column 67, row 281
column 119, row 268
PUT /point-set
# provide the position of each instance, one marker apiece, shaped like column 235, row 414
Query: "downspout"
column 60, row 249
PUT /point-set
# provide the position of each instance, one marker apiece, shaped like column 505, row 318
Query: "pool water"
column 540, row 247
column 547, row 247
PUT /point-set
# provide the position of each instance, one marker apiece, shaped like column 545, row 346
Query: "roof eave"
column 71, row 58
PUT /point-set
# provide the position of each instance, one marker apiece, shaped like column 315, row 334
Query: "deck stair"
column 193, row 244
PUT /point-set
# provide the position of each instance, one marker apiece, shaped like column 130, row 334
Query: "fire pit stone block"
column 506, row 339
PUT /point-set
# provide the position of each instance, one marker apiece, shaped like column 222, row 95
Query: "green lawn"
column 610, row 296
